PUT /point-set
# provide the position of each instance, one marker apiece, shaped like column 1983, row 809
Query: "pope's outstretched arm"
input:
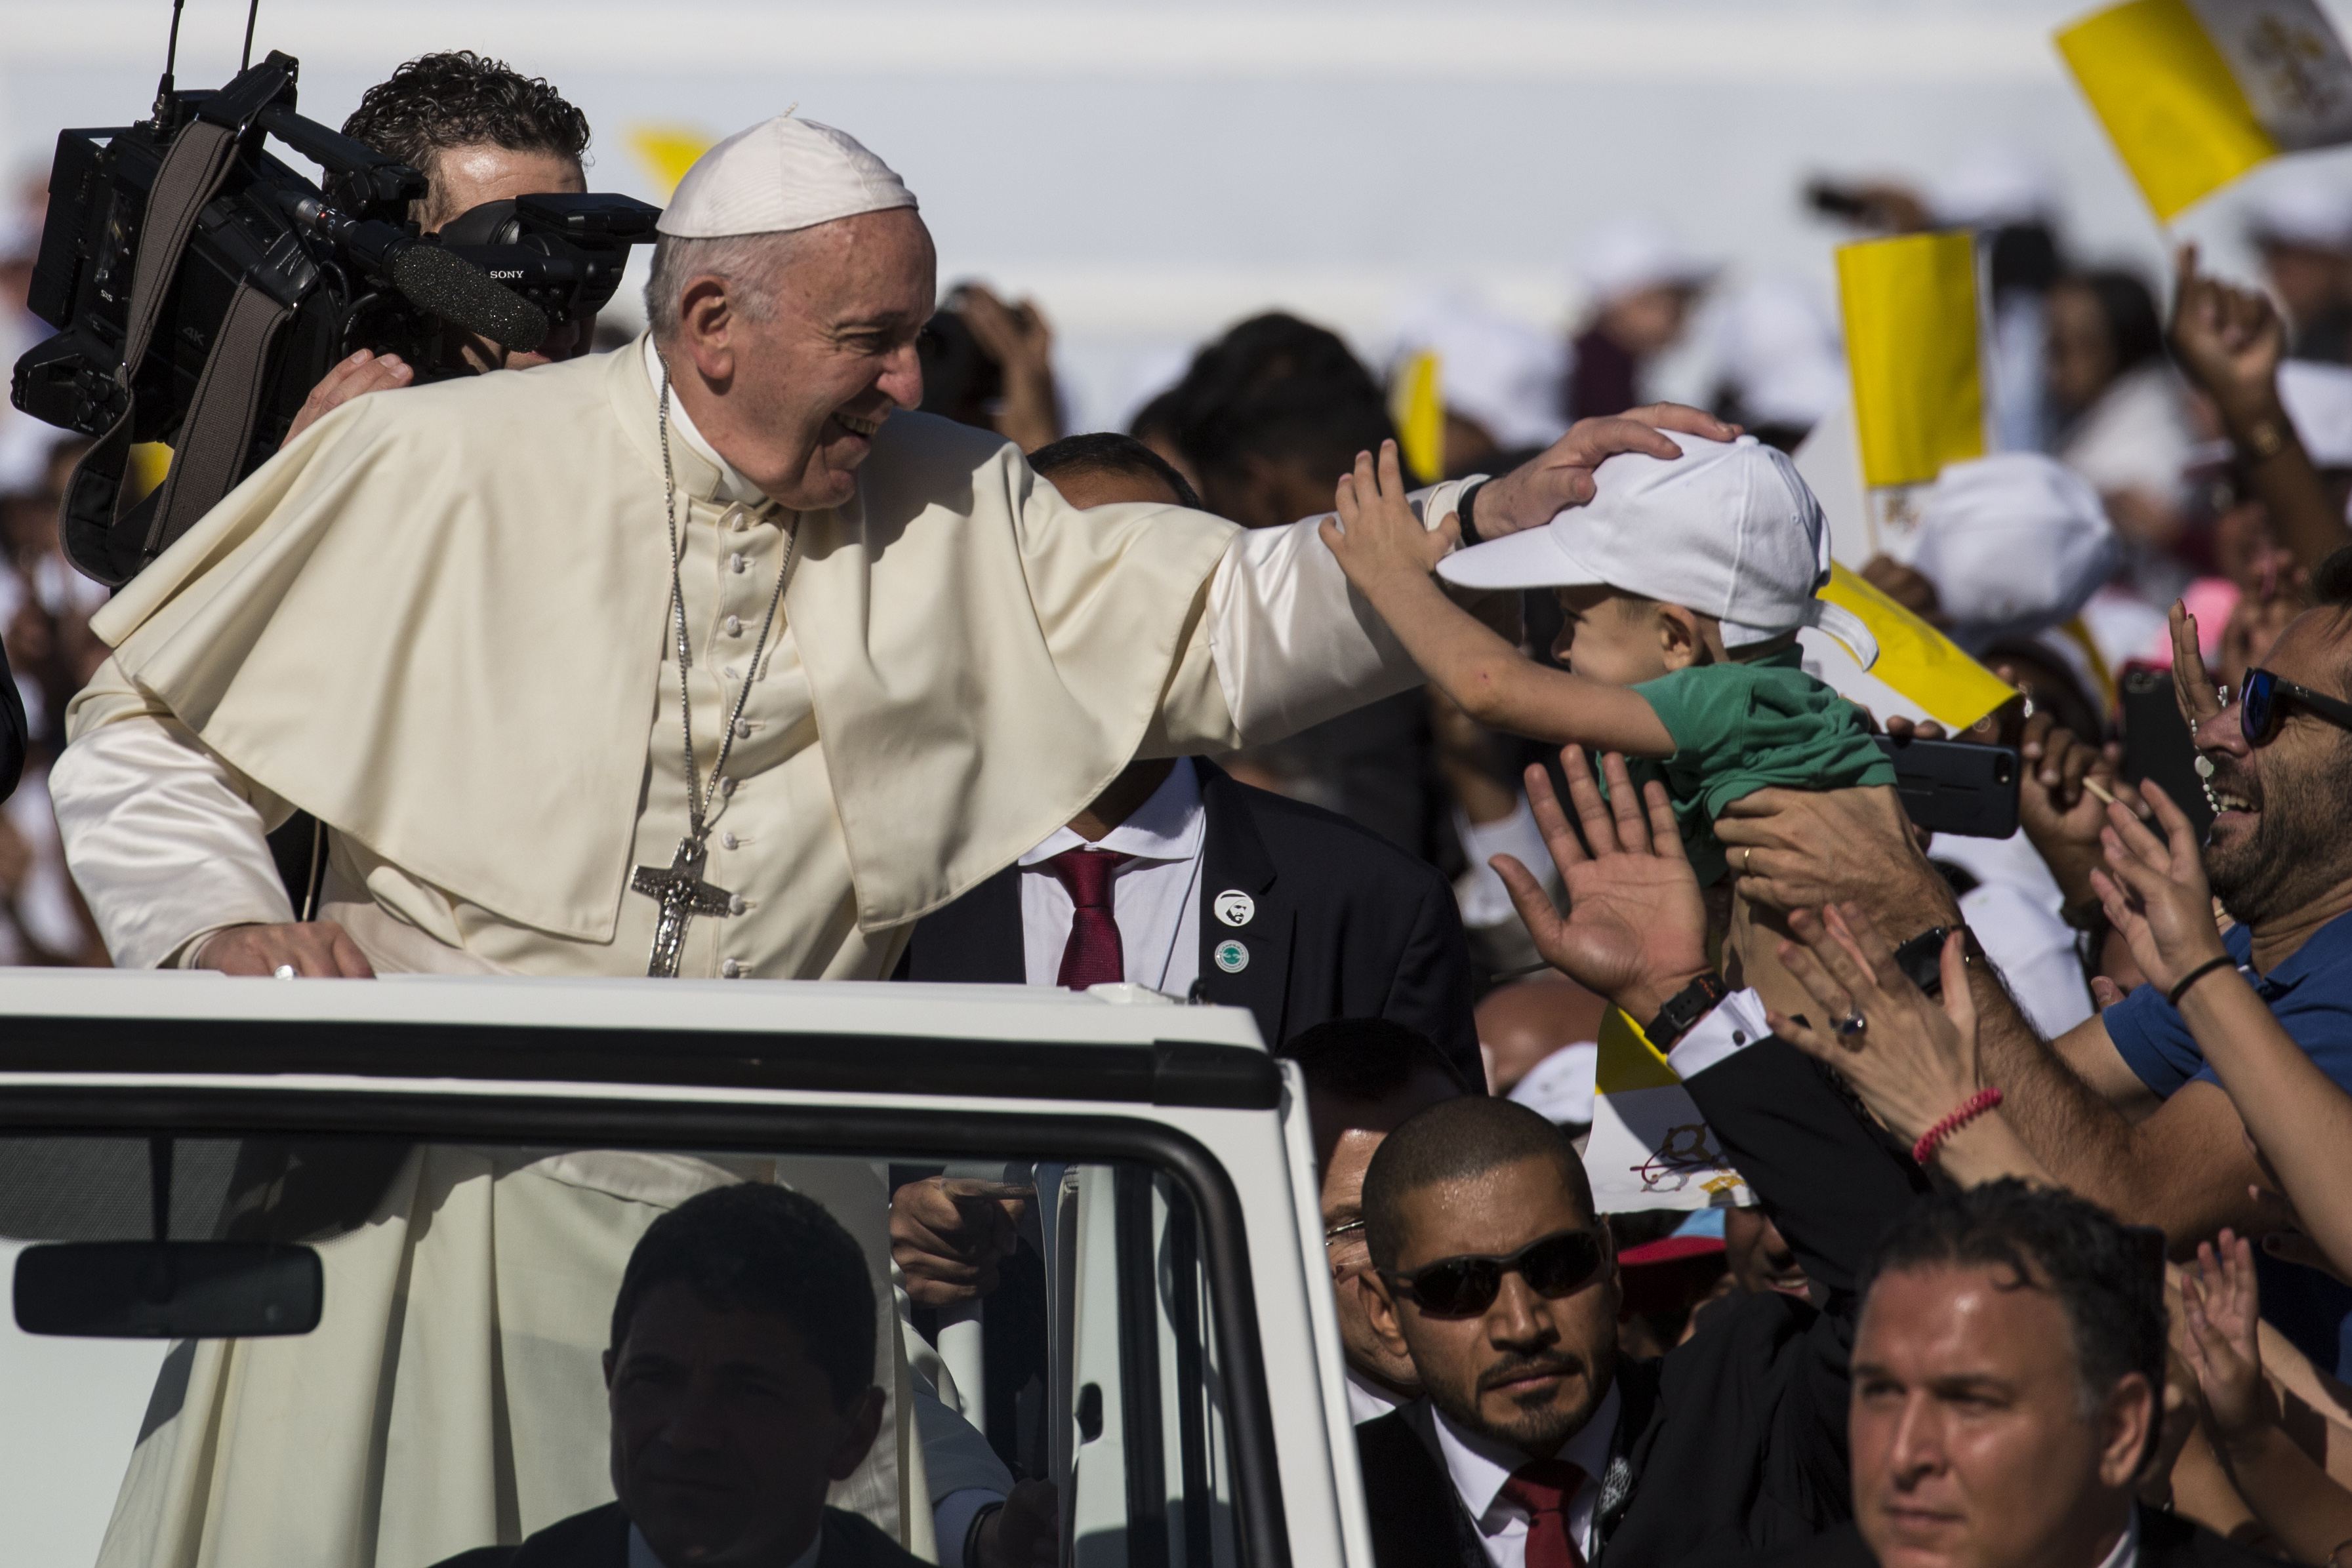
column 1284, row 642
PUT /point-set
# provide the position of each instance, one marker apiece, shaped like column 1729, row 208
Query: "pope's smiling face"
column 793, row 386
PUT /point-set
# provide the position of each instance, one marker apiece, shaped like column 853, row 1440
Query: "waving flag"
column 2195, row 92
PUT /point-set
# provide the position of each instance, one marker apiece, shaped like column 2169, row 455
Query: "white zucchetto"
column 782, row 174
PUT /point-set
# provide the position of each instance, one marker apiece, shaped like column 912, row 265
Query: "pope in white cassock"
column 704, row 657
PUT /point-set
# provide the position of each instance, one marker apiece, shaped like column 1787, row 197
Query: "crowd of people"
column 1429, row 772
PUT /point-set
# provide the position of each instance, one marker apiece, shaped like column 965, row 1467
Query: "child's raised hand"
column 1375, row 536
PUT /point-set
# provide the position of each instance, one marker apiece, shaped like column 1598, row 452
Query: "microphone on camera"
column 450, row 286
column 435, row 280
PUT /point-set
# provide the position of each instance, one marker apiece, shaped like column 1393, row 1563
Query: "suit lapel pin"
column 1235, row 908
column 1232, row 957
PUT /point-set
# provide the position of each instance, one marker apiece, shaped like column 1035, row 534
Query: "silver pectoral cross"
column 682, row 894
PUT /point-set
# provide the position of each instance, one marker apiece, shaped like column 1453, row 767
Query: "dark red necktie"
column 1545, row 1488
column 1092, row 957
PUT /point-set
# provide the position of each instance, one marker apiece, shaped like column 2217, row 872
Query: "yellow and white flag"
column 2195, row 92
column 1650, row 1148
column 1909, row 305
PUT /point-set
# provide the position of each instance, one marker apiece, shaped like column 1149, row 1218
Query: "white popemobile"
column 253, row 1150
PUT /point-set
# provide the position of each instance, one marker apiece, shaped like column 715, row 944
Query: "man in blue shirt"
column 2122, row 1108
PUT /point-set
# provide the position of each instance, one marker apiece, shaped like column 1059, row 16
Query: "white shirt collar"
column 1480, row 1466
column 734, row 488
column 1367, row 1400
column 2127, row 1552
column 641, row 1551
column 1167, row 826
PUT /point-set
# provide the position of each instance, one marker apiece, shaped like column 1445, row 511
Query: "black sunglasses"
column 1557, row 1265
column 2263, row 702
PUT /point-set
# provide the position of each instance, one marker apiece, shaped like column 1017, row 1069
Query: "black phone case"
column 1953, row 787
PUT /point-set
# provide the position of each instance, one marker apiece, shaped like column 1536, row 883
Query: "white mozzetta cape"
column 435, row 621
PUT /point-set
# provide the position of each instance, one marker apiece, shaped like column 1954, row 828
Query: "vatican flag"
column 1909, row 305
column 1650, row 1148
column 2195, row 92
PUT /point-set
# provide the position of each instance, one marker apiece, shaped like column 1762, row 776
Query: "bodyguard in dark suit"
column 741, row 1382
column 1735, row 1439
column 1536, row 1447
column 1181, row 876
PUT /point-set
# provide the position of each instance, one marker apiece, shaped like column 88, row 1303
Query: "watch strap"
column 1462, row 514
column 1683, row 1009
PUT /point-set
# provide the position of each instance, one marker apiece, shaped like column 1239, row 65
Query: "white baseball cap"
column 2013, row 543
column 778, row 175
column 1728, row 529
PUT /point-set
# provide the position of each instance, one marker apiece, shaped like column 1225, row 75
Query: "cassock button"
column 1235, row 908
column 730, row 841
column 731, row 971
column 734, row 625
column 742, row 729
column 735, row 904
column 726, row 786
column 738, row 562
column 1231, row 957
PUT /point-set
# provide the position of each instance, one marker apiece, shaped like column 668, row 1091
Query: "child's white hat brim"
column 1532, row 557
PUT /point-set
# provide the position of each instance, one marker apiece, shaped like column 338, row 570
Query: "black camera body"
column 335, row 270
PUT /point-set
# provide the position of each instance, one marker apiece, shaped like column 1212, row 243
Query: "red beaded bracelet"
column 1975, row 1105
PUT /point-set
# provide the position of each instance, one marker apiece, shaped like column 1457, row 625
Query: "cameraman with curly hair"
column 478, row 130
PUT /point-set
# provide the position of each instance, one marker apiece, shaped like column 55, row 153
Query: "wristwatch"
column 1683, row 1009
column 1461, row 514
column 1922, row 957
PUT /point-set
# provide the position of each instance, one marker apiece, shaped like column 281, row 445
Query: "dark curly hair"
column 460, row 99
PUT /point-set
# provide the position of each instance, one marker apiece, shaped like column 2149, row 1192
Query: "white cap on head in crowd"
column 2294, row 204
column 778, row 175
column 1627, row 254
column 2013, row 543
column 1503, row 375
column 1728, row 529
column 1777, row 351
column 2318, row 400
column 1561, row 1087
column 1995, row 186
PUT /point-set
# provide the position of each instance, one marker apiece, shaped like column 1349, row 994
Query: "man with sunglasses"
column 1536, row 1445
column 2124, row 1108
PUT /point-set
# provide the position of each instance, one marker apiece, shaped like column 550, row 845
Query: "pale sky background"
column 1152, row 169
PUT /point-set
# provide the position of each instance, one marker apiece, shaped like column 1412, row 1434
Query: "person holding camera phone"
column 478, row 130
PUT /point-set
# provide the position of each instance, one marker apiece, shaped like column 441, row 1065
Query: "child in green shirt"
column 1683, row 583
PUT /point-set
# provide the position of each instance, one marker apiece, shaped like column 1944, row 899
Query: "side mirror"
column 168, row 1290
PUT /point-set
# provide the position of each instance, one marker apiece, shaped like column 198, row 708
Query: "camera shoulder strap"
column 189, row 177
column 206, row 464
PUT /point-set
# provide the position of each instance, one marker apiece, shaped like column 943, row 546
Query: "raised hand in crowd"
column 948, row 1235
column 1635, row 930
column 2289, row 1492
column 1372, row 530
column 1803, row 849
column 2156, row 894
column 2230, row 341
column 1910, row 1058
column 361, row 373
column 1021, row 342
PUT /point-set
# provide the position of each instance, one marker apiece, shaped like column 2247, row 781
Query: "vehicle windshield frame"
column 201, row 1105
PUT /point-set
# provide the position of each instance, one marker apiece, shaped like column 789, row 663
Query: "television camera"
column 201, row 288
